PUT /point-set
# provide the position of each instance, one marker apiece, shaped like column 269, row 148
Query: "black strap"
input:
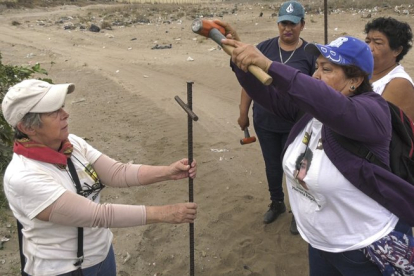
column 22, row 257
column 358, row 149
column 79, row 261
column 75, row 178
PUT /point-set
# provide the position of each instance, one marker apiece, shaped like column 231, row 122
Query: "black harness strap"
column 79, row 261
column 75, row 178
column 22, row 257
column 358, row 149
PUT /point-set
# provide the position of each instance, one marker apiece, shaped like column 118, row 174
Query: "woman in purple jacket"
column 343, row 204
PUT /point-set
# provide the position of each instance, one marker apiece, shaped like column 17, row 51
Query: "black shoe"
column 293, row 227
column 275, row 209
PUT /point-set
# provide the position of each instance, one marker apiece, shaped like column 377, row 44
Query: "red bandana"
column 37, row 151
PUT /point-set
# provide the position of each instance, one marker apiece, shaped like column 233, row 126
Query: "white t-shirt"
column 398, row 72
column 30, row 187
column 331, row 214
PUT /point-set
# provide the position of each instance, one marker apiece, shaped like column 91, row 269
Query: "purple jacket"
column 364, row 118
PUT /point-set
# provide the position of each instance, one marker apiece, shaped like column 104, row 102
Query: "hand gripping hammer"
column 211, row 30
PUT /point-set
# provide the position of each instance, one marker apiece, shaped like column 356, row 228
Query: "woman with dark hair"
column 390, row 40
column 353, row 214
column 272, row 131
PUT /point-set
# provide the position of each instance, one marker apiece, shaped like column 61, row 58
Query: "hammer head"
column 248, row 140
column 203, row 27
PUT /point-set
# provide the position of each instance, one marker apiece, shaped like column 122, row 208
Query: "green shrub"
column 10, row 75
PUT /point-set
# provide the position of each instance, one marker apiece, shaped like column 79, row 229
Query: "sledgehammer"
column 247, row 138
column 211, row 30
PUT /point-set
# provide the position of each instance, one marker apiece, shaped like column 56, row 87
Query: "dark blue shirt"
column 301, row 61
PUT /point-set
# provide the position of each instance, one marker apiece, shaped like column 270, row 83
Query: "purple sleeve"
column 364, row 117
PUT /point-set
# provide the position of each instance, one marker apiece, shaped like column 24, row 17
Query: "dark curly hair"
column 353, row 71
column 398, row 33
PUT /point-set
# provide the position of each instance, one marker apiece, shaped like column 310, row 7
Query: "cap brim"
column 312, row 48
column 54, row 98
column 328, row 52
column 291, row 18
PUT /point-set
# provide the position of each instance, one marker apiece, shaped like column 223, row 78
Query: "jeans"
column 353, row 263
column 272, row 144
column 403, row 228
column 105, row 268
column 349, row 263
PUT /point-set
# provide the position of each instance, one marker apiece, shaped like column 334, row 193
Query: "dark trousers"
column 105, row 268
column 349, row 263
column 272, row 144
column 404, row 228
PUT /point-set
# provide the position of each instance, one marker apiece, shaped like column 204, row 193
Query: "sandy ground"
column 124, row 106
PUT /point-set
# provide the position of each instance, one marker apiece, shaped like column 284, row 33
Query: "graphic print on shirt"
column 303, row 164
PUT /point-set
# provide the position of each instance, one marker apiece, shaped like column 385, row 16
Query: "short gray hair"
column 29, row 120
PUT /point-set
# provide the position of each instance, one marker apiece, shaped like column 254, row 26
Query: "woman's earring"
column 352, row 88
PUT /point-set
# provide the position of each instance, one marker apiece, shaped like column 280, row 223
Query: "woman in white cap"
column 346, row 208
column 272, row 130
column 53, row 186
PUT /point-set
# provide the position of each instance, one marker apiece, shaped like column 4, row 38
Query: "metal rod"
column 190, row 160
column 186, row 109
column 191, row 116
column 326, row 20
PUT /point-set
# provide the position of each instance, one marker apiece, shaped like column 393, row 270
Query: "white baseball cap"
column 33, row 96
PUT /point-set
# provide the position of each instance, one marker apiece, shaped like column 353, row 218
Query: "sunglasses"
column 94, row 189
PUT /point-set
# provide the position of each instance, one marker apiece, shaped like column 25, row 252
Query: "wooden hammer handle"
column 261, row 75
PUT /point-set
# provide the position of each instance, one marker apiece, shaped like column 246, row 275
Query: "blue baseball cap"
column 345, row 50
column 291, row 11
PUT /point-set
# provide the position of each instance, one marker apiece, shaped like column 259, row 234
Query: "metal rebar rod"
column 185, row 107
column 325, row 7
column 190, row 160
column 190, row 118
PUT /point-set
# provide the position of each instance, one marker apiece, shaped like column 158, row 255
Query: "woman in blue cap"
column 351, row 212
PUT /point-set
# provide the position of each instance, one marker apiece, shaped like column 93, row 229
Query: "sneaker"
column 275, row 209
column 293, row 227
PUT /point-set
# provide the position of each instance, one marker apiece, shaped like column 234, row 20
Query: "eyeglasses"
column 54, row 114
column 95, row 188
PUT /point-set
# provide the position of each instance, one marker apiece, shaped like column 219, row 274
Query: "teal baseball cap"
column 291, row 11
